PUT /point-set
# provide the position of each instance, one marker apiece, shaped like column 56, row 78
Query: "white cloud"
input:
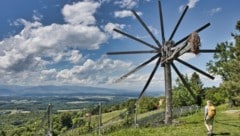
column 89, row 73
column 37, row 16
column 129, row 4
column 123, row 14
column 80, row 13
column 215, row 10
column 191, row 4
column 75, row 56
column 48, row 75
column 138, row 79
column 36, row 40
column 109, row 29
column 26, row 56
column 92, row 72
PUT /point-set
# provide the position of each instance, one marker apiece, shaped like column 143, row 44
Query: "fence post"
column 100, row 119
column 190, row 109
column 136, row 112
column 181, row 110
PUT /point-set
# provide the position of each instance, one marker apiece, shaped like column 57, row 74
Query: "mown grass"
column 111, row 115
column 226, row 124
column 144, row 115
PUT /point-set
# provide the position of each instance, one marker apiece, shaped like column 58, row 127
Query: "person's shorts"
column 209, row 121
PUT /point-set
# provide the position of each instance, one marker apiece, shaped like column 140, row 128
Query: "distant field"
column 36, row 103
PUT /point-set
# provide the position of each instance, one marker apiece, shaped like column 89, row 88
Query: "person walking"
column 210, row 112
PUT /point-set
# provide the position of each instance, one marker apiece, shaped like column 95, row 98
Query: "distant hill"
column 6, row 92
column 66, row 90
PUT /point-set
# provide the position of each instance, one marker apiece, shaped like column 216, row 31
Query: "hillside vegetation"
column 227, row 122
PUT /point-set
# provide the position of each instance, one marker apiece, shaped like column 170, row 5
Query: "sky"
column 64, row 42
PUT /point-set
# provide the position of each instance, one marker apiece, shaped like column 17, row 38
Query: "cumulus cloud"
column 75, row 56
column 32, row 56
column 191, row 4
column 109, row 29
column 129, row 4
column 80, row 13
column 26, row 56
column 125, row 13
column 92, row 72
column 36, row 40
column 48, row 75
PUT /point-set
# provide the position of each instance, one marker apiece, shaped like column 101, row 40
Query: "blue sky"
column 60, row 42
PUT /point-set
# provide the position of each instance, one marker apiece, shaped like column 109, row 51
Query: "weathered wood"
column 146, row 28
column 150, row 78
column 198, row 30
column 135, row 38
column 161, row 21
column 166, row 52
column 168, row 93
column 131, row 52
column 137, row 68
column 178, row 23
column 195, row 68
column 183, row 81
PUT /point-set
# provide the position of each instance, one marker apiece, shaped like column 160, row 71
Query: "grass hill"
column 227, row 123
column 121, row 123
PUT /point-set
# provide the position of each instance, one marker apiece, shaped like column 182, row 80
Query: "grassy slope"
column 225, row 124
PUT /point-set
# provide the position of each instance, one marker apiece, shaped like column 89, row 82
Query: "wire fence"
column 157, row 117
column 153, row 118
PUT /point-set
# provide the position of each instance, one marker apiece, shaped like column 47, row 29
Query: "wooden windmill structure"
column 165, row 53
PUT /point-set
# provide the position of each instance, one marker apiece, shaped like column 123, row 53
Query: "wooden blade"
column 209, row 51
column 183, row 81
column 194, row 68
column 136, row 39
column 161, row 21
column 198, row 30
column 178, row 23
column 137, row 68
column 131, row 52
column 146, row 28
column 150, row 78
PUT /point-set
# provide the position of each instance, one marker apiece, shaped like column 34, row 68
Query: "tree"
column 227, row 65
column 129, row 105
column 2, row 133
column 197, row 87
column 66, row 120
column 238, row 25
column 147, row 104
column 216, row 95
column 181, row 96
